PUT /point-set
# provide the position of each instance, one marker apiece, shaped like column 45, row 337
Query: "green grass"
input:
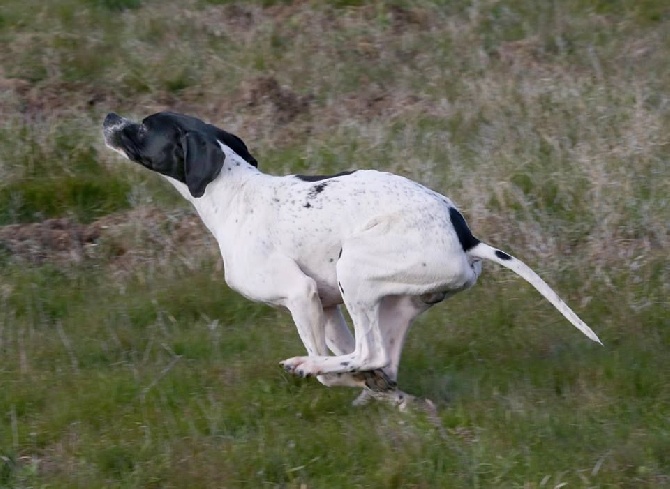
column 547, row 122
column 53, row 171
column 150, row 390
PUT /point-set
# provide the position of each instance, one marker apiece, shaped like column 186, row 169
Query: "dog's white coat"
column 379, row 243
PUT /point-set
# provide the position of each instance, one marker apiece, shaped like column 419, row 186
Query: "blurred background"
column 126, row 362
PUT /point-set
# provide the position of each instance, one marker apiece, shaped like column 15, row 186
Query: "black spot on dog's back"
column 465, row 237
column 318, row 178
column 316, row 190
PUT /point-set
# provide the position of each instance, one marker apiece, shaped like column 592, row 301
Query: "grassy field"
column 125, row 361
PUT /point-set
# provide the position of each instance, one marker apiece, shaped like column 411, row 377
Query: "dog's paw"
column 300, row 366
column 376, row 380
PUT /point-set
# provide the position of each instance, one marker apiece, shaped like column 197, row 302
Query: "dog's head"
column 175, row 145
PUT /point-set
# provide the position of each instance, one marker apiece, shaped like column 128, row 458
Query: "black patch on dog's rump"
column 318, row 178
column 502, row 255
column 465, row 237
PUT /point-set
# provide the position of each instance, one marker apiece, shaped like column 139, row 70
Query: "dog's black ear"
column 237, row 145
column 203, row 160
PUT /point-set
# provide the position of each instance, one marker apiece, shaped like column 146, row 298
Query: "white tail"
column 484, row 251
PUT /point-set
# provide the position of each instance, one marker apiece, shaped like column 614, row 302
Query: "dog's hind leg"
column 396, row 315
column 340, row 341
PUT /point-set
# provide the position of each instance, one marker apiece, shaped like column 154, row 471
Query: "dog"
column 386, row 247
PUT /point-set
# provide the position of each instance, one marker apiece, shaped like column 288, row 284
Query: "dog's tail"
column 484, row 251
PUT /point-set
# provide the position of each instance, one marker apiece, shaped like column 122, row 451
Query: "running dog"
column 384, row 246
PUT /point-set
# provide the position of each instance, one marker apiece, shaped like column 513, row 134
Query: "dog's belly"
column 320, row 264
column 329, row 295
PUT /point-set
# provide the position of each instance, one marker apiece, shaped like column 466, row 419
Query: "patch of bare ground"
column 524, row 55
column 33, row 99
column 123, row 240
column 59, row 239
column 374, row 102
column 265, row 94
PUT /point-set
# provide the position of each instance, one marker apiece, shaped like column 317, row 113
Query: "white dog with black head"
column 384, row 246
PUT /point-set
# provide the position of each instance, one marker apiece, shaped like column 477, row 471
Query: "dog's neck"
column 220, row 195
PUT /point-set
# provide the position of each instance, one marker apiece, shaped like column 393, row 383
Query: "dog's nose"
column 112, row 119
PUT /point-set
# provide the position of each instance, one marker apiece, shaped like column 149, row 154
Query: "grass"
column 135, row 366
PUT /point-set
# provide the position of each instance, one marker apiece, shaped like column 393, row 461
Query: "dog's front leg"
column 303, row 303
column 362, row 300
column 301, row 298
column 281, row 282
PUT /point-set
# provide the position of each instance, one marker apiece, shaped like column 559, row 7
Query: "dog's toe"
column 287, row 367
column 299, row 366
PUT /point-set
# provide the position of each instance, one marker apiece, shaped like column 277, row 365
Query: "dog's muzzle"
column 110, row 128
column 114, row 122
column 112, row 119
